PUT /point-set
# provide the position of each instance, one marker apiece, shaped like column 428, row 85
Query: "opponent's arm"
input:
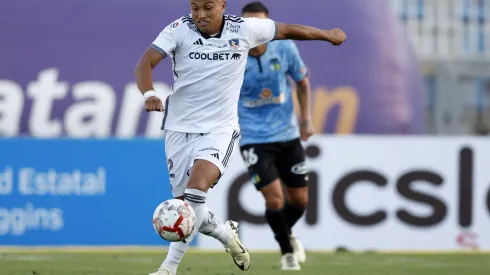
column 301, row 32
column 299, row 73
column 144, row 79
column 303, row 93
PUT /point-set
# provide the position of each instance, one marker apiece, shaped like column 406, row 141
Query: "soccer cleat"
column 238, row 252
column 162, row 271
column 289, row 262
column 299, row 251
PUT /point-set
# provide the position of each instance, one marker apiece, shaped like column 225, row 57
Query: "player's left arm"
column 335, row 36
column 299, row 73
column 261, row 31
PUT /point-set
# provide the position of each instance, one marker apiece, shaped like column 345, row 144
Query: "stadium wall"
column 81, row 192
column 367, row 193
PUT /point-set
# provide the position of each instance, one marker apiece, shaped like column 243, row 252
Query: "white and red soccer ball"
column 174, row 220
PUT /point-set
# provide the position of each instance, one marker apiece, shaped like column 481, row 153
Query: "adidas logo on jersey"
column 198, row 42
column 216, row 155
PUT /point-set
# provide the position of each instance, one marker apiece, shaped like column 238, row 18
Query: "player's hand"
column 306, row 130
column 336, row 36
column 153, row 104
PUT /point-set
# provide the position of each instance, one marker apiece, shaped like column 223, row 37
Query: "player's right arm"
column 167, row 41
column 144, row 79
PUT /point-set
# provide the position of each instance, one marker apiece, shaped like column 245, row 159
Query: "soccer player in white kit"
column 209, row 52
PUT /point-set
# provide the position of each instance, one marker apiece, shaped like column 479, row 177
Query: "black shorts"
column 267, row 162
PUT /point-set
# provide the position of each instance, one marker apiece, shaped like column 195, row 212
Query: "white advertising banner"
column 380, row 193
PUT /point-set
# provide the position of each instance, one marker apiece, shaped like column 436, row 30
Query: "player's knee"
column 299, row 197
column 301, row 203
column 274, row 203
column 273, row 195
column 200, row 184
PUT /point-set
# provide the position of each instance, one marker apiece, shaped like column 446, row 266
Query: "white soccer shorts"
column 183, row 149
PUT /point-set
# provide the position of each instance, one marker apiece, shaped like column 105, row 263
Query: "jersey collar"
column 207, row 36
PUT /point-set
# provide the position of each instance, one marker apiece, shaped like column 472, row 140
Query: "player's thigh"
column 214, row 150
column 177, row 152
column 293, row 171
column 203, row 175
column 260, row 162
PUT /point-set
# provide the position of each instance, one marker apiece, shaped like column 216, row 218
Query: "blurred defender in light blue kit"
column 270, row 143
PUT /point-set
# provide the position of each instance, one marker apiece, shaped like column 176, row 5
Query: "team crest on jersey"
column 275, row 65
column 234, row 43
column 174, row 25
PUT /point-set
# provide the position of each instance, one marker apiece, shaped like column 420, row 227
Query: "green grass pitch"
column 138, row 262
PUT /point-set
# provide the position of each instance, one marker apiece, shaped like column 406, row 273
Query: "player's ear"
column 224, row 4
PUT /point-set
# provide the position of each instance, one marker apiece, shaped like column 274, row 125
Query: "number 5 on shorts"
column 250, row 157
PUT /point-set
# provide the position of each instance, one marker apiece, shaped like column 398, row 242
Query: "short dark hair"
column 255, row 7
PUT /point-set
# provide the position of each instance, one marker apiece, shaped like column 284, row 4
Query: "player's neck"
column 258, row 51
column 215, row 31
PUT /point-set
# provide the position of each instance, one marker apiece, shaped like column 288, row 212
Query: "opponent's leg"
column 278, row 221
column 296, row 204
column 295, row 208
column 292, row 170
column 260, row 159
column 275, row 214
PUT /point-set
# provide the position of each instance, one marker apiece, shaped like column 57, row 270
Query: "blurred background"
column 402, row 110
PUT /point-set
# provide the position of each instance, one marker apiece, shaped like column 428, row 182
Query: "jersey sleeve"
column 169, row 39
column 296, row 67
column 260, row 31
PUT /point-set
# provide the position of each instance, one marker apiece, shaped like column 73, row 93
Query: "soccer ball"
column 174, row 220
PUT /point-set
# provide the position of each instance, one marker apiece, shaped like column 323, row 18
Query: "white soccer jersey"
column 208, row 71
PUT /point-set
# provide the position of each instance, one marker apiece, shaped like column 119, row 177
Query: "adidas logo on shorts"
column 216, row 155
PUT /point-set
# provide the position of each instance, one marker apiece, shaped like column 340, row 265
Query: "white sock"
column 213, row 227
column 175, row 254
column 197, row 200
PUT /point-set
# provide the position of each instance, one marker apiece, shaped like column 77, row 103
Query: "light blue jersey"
column 265, row 108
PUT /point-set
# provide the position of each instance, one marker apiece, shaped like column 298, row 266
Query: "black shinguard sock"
column 278, row 221
column 293, row 213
